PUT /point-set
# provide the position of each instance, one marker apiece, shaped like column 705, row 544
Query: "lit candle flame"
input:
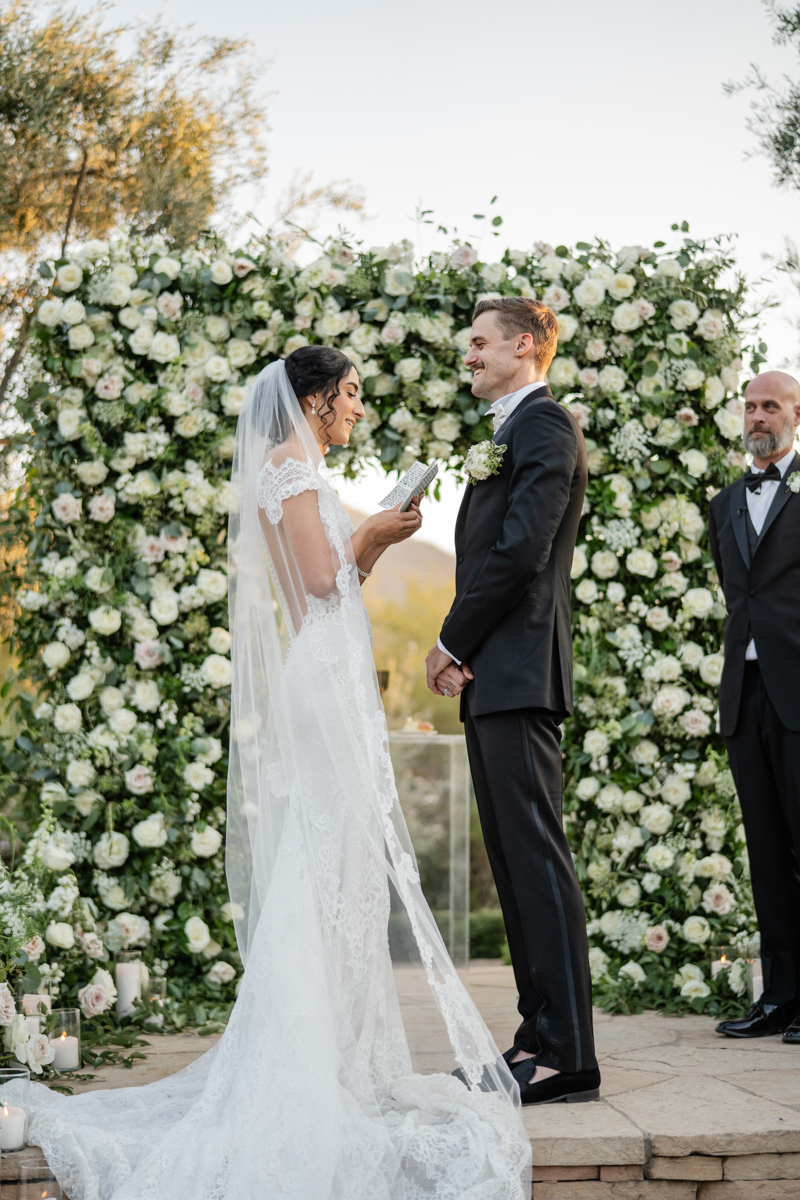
column 64, row 1036
column 723, row 959
column 5, row 1108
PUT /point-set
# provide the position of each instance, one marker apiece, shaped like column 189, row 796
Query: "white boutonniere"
column 483, row 460
column 793, row 482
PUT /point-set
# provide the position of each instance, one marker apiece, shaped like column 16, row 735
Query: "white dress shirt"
column 758, row 505
column 501, row 410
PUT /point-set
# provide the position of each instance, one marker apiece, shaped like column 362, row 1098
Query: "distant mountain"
column 411, row 560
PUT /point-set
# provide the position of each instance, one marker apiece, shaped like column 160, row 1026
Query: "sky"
column 584, row 118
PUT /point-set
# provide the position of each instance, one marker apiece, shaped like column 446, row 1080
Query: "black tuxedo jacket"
column 762, row 594
column 515, row 537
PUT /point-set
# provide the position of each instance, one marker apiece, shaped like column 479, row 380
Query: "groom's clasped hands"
column 445, row 676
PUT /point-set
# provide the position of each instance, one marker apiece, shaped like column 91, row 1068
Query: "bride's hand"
column 388, row 528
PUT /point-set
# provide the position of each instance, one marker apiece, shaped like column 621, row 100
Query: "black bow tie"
column 753, row 479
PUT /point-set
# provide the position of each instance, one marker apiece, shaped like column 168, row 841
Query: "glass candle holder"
column 723, row 956
column 157, row 991
column 64, row 1032
column 128, row 979
column 37, row 1182
column 15, row 1092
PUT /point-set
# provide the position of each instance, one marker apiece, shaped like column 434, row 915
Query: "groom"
column 506, row 642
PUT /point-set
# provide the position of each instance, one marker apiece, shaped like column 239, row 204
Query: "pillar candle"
column 31, row 1002
column 12, row 1127
column 129, row 986
column 67, row 1053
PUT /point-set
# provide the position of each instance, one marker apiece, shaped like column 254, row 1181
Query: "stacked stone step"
column 692, row 1177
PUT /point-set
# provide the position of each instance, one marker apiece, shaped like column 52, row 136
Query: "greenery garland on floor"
column 139, row 366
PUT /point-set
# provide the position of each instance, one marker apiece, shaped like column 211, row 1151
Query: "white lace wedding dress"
column 310, row 1092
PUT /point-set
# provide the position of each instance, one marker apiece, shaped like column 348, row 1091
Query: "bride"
column 310, row 1093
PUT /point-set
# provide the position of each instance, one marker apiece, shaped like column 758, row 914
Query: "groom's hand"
column 452, row 680
column 435, row 663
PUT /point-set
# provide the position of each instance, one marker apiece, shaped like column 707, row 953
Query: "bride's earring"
column 313, row 407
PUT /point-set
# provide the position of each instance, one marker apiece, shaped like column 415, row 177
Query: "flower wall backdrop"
column 140, row 365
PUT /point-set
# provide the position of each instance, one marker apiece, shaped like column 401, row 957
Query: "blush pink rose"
column 656, row 939
column 93, row 999
column 148, row 654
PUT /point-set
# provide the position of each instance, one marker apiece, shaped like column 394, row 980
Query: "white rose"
column 675, row 791
column 698, row 602
column 231, row 911
column 692, row 378
column 642, row 562
column 728, row 423
column 696, row 930
column 656, row 818
column 695, row 462
column 57, row 857
column 240, row 353
column 146, row 696
column 589, row 293
column 105, row 620
column 139, row 780
column 151, row 832
column 221, row 972
column 217, row 368
column 99, row 579
column 730, row 378
column 208, row 750
column 67, row 718
column 59, row 934
column 682, row 314
column 122, row 722
column 694, row 989
column 111, row 851
column 586, row 591
column 714, row 390
column 632, row 801
column 80, row 337
column 555, row 297
column 81, row 686
column 170, row 267
column 625, row 318
column 220, row 272
column 197, row 933
column 567, row 327
column 658, row 618
column 611, row 380
column 659, row 858
column 408, row 369
column 213, row 585
column 670, row 700
column 634, row 972
column 165, row 887
column 55, row 655
column 141, row 339
column 595, row 743
column 197, row 776
column 217, row 671
column 91, row 473
column 718, row 899
column 164, row 348
column 205, row 842
column 164, row 608
column 111, row 699
column 218, row 328
column 80, row 773
column 609, row 798
column 563, row 372
column 169, row 304
column 629, row 894
column 645, row 753
column 579, row 562
column 605, row 564
column 621, row 286
column 50, row 312
column 711, row 325
column 85, row 802
column 711, row 669
column 69, row 277
column 69, row 423
column 233, row 400
column 669, row 668
column 587, row 788
column 219, row 641
column 713, row 866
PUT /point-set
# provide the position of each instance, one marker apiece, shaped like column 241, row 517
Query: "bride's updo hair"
column 318, row 370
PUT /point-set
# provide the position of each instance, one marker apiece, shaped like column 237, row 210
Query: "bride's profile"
column 310, row 1093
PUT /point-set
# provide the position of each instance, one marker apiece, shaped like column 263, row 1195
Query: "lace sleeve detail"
column 276, row 484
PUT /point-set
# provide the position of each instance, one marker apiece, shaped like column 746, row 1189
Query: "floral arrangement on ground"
column 137, row 370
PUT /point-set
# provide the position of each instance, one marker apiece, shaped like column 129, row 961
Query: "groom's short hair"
column 520, row 314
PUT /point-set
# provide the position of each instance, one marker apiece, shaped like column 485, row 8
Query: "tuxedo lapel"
column 780, row 498
column 498, row 434
column 739, row 519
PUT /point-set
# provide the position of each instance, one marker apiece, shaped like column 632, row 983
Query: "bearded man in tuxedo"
column 506, row 644
column 754, row 530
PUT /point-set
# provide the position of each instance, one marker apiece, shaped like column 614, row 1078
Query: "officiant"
column 754, row 530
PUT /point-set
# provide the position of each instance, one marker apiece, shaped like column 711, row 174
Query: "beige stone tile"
column 724, row 1059
column 763, row 1166
column 696, row 1115
column 622, row 1079
column 591, row 1134
column 646, row 1189
column 779, row 1085
column 764, row 1189
column 694, row 1166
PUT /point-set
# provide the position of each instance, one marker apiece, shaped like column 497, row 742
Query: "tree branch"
column 73, row 206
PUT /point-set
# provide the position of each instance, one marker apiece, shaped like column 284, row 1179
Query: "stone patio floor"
column 671, row 1088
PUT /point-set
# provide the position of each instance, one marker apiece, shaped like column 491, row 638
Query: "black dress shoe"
column 511, row 1054
column 574, row 1088
column 762, row 1020
column 792, row 1033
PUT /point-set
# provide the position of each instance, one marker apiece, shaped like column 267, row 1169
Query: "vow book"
column 416, row 479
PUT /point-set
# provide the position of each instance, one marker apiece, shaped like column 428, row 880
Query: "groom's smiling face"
column 493, row 357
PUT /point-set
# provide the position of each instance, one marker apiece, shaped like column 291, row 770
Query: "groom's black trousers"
column 515, row 758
